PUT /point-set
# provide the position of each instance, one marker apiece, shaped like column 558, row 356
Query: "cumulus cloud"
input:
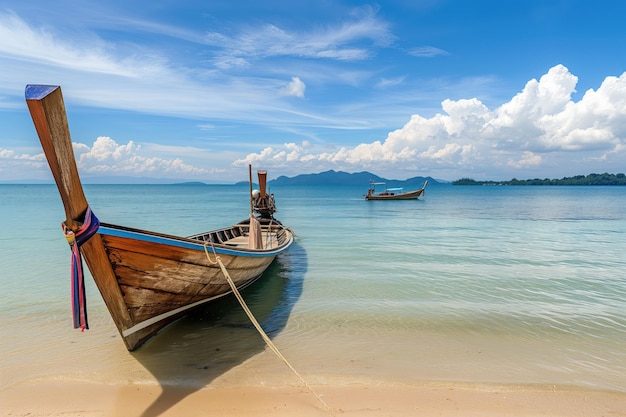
column 107, row 157
column 12, row 162
column 527, row 159
column 539, row 125
column 295, row 88
column 8, row 154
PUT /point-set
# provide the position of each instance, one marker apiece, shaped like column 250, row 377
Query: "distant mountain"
column 344, row 178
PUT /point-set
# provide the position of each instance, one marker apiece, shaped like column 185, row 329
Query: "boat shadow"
column 194, row 351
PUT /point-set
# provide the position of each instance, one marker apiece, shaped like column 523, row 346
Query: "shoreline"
column 372, row 399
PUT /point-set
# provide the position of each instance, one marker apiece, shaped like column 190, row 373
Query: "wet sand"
column 427, row 399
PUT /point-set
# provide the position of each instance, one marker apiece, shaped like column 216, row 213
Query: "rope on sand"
column 256, row 324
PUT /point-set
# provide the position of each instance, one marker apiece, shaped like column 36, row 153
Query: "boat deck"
column 269, row 241
column 237, row 236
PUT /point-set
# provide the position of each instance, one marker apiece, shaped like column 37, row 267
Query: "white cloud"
column 521, row 119
column 539, row 126
column 107, row 157
column 14, row 164
column 343, row 42
column 295, row 88
column 427, row 52
column 86, row 53
column 527, row 159
column 9, row 154
column 390, row 82
column 597, row 121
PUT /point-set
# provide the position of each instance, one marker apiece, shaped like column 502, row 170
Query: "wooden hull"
column 160, row 277
column 414, row 195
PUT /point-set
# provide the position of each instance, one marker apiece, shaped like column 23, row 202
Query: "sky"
column 197, row 90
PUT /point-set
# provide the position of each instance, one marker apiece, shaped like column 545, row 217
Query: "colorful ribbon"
column 75, row 240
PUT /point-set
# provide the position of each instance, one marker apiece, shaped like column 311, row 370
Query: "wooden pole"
column 47, row 110
column 48, row 113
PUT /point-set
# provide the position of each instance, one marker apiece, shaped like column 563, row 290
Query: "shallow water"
column 483, row 284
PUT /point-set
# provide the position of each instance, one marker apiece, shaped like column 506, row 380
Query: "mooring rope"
column 256, row 324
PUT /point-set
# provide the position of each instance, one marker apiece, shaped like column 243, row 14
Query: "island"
column 591, row 179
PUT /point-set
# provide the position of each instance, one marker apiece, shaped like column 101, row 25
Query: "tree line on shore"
column 591, row 179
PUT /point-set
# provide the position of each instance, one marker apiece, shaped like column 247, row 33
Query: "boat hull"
column 410, row 195
column 414, row 195
column 158, row 278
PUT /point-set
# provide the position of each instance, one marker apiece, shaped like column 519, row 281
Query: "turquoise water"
column 477, row 284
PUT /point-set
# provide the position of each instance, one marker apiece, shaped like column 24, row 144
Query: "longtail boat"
column 392, row 193
column 148, row 279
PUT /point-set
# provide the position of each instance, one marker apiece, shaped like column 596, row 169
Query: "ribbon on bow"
column 76, row 239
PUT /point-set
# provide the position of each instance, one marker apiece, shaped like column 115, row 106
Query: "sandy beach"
column 428, row 399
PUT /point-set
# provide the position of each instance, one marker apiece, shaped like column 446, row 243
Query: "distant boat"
column 392, row 193
column 148, row 279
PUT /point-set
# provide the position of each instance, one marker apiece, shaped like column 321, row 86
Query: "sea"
column 471, row 284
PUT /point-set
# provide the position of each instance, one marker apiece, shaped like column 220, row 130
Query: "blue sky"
column 197, row 90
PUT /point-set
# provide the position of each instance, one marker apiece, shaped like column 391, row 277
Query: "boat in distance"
column 148, row 279
column 393, row 193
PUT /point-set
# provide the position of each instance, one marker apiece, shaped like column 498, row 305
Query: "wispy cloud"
column 346, row 41
column 427, row 52
column 136, row 78
column 390, row 82
column 20, row 41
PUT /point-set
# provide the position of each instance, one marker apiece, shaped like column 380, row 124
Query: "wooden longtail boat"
column 148, row 279
column 393, row 193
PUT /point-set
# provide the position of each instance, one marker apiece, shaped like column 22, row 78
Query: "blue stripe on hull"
column 164, row 240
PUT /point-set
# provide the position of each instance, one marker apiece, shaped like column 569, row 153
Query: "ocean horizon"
column 511, row 285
